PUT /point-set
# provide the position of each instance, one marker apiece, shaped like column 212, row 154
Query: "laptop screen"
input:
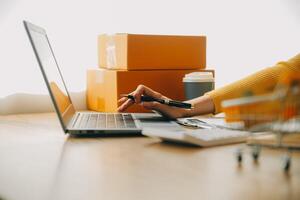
column 51, row 72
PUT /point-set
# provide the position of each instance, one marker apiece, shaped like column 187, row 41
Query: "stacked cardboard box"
column 127, row 60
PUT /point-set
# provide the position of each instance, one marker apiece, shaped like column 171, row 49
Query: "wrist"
column 201, row 105
column 186, row 112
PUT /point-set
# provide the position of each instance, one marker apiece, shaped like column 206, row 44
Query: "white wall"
column 243, row 36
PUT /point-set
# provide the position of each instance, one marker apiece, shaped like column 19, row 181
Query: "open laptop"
column 72, row 122
column 109, row 124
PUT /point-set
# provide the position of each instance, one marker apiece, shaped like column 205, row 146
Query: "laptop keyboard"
column 104, row 120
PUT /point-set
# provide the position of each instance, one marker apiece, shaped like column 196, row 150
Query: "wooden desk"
column 37, row 161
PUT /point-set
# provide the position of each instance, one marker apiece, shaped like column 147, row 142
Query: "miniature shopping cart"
column 278, row 135
column 273, row 119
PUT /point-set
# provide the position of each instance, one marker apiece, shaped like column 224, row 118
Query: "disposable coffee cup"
column 197, row 84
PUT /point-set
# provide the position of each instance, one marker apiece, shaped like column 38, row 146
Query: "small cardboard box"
column 104, row 87
column 151, row 52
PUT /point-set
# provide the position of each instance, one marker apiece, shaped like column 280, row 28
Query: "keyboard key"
column 101, row 121
column 92, row 122
column 110, row 121
column 84, row 120
column 120, row 121
column 129, row 121
column 105, row 120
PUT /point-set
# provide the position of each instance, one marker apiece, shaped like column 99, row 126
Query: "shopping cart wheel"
column 239, row 155
column 286, row 163
column 255, row 152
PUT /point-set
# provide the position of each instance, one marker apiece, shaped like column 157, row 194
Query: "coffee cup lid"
column 199, row 77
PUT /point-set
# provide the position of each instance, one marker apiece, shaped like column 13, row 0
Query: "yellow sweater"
column 257, row 83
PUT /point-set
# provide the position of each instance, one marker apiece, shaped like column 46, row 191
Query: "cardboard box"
column 104, row 87
column 155, row 52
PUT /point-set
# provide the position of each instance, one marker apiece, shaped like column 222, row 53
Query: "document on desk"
column 210, row 132
column 209, row 122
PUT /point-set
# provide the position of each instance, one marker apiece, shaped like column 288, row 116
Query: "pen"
column 178, row 104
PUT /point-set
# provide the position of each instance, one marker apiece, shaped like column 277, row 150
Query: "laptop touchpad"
column 154, row 121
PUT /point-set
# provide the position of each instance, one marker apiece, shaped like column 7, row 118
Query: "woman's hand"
column 168, row 111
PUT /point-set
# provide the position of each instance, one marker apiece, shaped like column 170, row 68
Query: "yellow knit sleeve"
column 260, row 82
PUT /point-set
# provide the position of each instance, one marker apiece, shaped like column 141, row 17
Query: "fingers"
column 150, row 92
column 144, row 90
column 125, row 105
column 138, row 93
column 122, row 100
column 167, row 111
column 140, row 90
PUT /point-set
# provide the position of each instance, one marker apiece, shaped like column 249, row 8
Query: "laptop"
column 72, row 122
column 111, row 124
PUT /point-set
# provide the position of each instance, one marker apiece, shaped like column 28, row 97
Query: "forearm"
column 257, row 83
column 201, row 105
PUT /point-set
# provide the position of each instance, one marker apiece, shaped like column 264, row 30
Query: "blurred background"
column 242, row 37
